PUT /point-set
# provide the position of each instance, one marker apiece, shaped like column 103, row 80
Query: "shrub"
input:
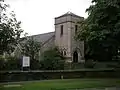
column 12, row 63
column 52, row 60
column 89, row 64
column 2, row 63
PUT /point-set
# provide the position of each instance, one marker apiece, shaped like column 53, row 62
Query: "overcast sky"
column 37, row 16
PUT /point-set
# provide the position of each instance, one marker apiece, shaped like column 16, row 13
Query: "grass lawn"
column 65, row 84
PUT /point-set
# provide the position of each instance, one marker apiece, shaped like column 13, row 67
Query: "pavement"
column 107, row 88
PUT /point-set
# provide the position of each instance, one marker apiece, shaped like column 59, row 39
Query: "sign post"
column 26, row 62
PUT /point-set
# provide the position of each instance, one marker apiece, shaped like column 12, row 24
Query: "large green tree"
column 52, row 60
column 10, row 29
column 101, row 30
column 31, row 48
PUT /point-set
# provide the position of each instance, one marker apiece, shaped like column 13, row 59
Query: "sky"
column 37, row 16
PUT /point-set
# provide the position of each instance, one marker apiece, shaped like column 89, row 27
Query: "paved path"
column 108, row 88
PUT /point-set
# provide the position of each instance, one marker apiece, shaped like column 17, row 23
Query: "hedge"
column 15, row 76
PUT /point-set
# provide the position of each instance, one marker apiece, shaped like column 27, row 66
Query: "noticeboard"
column 26, row 61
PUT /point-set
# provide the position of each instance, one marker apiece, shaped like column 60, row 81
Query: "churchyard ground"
column 63, row 84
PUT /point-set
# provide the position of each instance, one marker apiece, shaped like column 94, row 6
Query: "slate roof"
column 43, row 37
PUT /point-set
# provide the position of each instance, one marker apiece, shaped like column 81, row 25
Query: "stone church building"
column 63, row 37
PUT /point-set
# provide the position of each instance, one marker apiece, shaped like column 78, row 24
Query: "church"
column 63, row 37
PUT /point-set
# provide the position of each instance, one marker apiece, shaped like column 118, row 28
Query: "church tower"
column 65, row 29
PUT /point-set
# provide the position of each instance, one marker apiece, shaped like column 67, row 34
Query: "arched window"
column 61, row 53
column 64, row 53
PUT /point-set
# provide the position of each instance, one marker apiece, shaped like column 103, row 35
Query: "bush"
column 89, row 64
column 9, row 63
column 52, row 60
column 35, row 64
column 2, row 63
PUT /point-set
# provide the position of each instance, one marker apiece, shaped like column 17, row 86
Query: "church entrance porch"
column 75, row 57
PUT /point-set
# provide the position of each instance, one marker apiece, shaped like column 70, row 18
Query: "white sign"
column 26, row 61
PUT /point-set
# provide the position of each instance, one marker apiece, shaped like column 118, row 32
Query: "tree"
column 9, row 63
column 101, row 30
column 52, row 60
column 31, row 48
column 10, row 29
column 12, row 63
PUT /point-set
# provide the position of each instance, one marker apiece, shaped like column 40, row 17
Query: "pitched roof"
column 69, row 13
column 43, row 37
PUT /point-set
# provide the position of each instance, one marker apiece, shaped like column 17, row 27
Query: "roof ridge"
column 43, row 33
column 68, row 13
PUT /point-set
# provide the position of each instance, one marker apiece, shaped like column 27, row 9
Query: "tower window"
column 61, row 28
column 76, row 28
